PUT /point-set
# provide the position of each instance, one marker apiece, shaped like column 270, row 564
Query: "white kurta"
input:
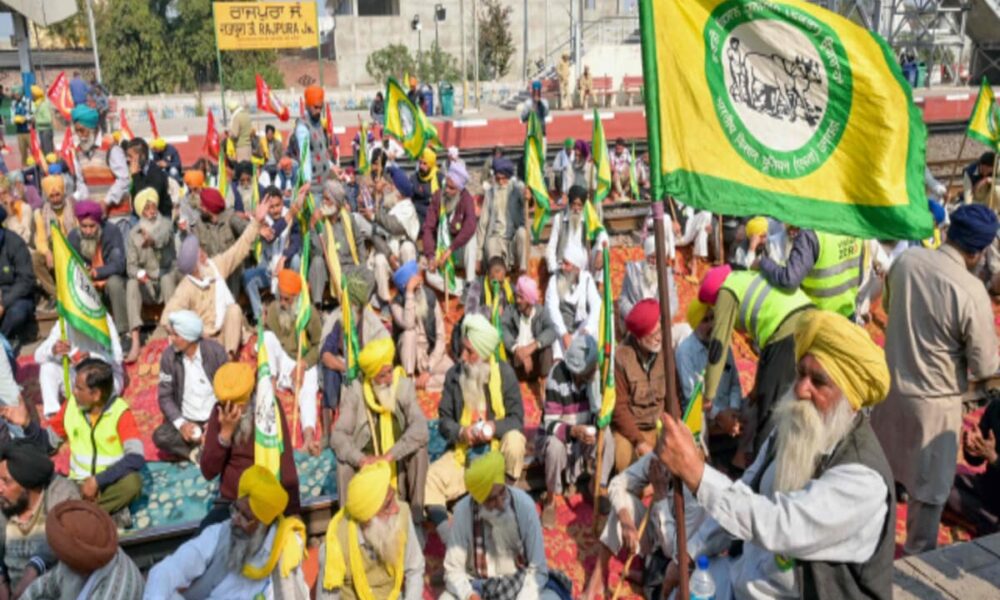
column 588, row 314
column 837, row 517
column 50, row 369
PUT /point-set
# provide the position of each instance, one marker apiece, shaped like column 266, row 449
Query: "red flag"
column 268, row 102
column 36, row 152
column 66, row 150
column 152, row 123
column 125, row 129
column 329, row 122
column 211, row 136
column 60, row 96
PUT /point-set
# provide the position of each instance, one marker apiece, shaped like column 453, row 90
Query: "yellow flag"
column 602, row 165
column 267, row 439
column 984, row 124
column 77, row 300
column 786, row 109
column 405, row 122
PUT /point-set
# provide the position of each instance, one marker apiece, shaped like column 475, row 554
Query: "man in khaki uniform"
column 240, row 130
column 563, row 72
column 203, row 289
column 585, row 87
column 940, row 330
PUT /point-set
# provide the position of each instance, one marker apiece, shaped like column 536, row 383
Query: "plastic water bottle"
column 702, row 585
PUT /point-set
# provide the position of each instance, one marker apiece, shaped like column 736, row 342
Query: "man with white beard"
column 383, row 423
column 256, row 553
column 816, row 510
column 501, row 229
column 570, row 228
column 496, row 548
column 371, row 548
column 573, row 302
column 641, row 281
column 418, row 325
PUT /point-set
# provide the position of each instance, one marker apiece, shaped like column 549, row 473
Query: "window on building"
column 378, row 8
column 343, row 7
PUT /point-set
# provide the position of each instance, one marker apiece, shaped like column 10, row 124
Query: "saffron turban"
column 267, row 498
column 81, row 535
column 973, row 227
column 187, row 257
column 146, row 196
column 481, row 334
column 375, row 356
column 404, row 274
column 212, row 201
column 643, row 319
column 187, row 324
column 849, row 356
column 527, row 288
column 53, row 184
column 576, row 256
column 313, row 95
column 194, row 178
column 696, row 312
column 233, row 382
column 289, row 282
column 367, row 490
column 85, row 116
column 756, row 226
column 88, row 210
column 458, row 174
column 483, row 474
column 712, row 283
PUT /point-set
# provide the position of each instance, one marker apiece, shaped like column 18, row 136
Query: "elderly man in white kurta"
column 940, row 333
column 572, row 301
column 816, row 510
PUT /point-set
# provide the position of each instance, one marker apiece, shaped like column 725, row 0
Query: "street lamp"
column 415, row 26
column 439, row 16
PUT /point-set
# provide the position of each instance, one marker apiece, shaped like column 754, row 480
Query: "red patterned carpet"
column 572, row 546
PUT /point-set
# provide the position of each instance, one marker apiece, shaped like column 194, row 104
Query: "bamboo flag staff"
column 628, row 563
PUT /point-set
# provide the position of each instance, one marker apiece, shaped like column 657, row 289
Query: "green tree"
column 392, row 61
column 137, row 58
column 496, row 44
column 437, row 65
column 72, row 32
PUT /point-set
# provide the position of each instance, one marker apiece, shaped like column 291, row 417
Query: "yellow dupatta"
column 386, row 437
column 494, row 303
column 495, row 388
column 288, row 547
column 333, row 253
column 335, row 569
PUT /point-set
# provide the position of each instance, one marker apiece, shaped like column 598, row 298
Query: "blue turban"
column 503, row 166
column 55, row 169
column 85, row 115
column 581, row 354
column 401, row 182
column 973, row 227
column 536, row 85
column 937, row 209
column 186, row 324
column 404, row 274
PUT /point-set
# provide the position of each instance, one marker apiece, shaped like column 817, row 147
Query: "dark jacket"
column 154, row 177
column 172, row 157
column 170, row 391
column 421, row 196
column 450, row 409
column 801, row 258
column 17, row 278
column 641, row 392
column 542, row 328
column 461, row 223
column 112, row 251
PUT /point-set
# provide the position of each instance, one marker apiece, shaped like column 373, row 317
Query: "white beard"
column 422, row 307
column 504, row 532
column 649, row 276
column 566, row 283
column 384, row 395
column 245, row 426
column 243, row 547
column 472, row 380
column 383, row 534
column 803, row 436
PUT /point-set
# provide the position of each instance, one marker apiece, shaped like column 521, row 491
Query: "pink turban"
column 88, row 209
column 710, row 286
column 527, row 288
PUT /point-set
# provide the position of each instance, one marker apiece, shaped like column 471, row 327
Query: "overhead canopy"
column 43, row 12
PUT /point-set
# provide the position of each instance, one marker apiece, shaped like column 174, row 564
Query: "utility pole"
column 578, row 39
column 465, row 71
column 475, row 44
column 93, row 40
column 524, row 51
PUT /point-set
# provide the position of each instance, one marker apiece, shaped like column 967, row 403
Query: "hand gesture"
column 89, row 489
column 188, row 430
column 49, row 261
column 630, row 538
column 60, row 348
column 312, row 441
column 17, row 414
column 977, row 445
column 260, row 214
column 229, row 416
column 679, row 453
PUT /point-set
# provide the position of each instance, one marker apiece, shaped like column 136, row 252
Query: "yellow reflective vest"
column 94, row 448
column 833, row 282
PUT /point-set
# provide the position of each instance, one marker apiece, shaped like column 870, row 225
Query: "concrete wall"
column 357, row 37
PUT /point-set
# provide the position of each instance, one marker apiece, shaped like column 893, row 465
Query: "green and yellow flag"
column 443, row 243
column 591, row 221
column 267, row 440
column 304, row 309
column 351, row 349
column 984, row 124
column 77, row 300
column 633, row 175
column 606, row 350
column 223, row 182
column 405, row 122
column 534, row 167
column 791, row 111
column 694, row 411
column 364, row 164
column 602, row 164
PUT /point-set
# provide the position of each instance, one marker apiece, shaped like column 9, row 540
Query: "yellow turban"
column 848, row 354
column 159, row 144
column 267, row 498
column 146, row 196
column 756, row 226
column 234, row 382
column 696, row 311
column 52, row 184
column 429, row 157
column 481, row 334
column 37, row 91
column 51, row 158
column 375, row 356
column 483, row 474
column 367, row 490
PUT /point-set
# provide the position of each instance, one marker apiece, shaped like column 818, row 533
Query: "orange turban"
column 194, row 178
column 289, row 282
column 314, row 95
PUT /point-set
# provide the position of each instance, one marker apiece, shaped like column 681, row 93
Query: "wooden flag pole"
column 958, row 163
column 628, row 563
column 993, row 199
column 295, row 398
column 721, row 258
column 597, row 479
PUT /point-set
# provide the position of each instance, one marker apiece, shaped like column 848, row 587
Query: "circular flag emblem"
column 85, row 295
column 406, row 120
column 993, row 120
column 780, row 83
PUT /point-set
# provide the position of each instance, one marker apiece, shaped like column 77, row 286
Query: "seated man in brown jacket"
column 640, row 385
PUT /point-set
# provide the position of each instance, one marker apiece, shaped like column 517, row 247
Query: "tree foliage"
column 496, row 44
column 436, row 65
column 73, row 32
column 392, row 61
